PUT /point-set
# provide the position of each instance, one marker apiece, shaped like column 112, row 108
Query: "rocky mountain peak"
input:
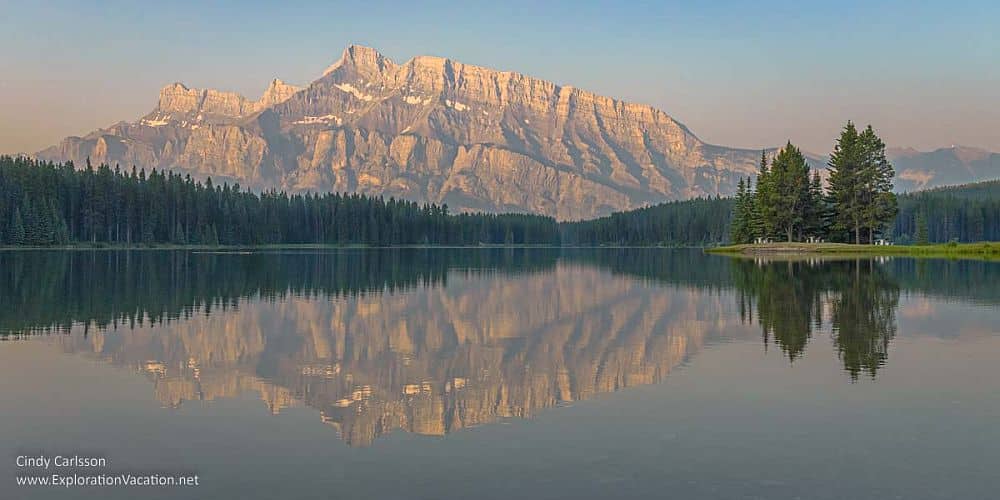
column 365, row 60
column 277, row 92
column 431, row 129
column 177, row 99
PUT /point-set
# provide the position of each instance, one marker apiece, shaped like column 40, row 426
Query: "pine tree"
column 178, row 237
column 213, row 236
column 816, row 213
column 879, row 206
column 741, row 228
column 845, row 183
column 922, row 236
column 751, row 213
column 16, row 228
column 763, row 200
column 60, row 232
column 738, row 226
column 788, row 194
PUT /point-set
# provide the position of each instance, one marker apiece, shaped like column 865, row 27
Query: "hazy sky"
column 751, row 74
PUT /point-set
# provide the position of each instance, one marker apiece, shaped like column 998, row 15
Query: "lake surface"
column 503, row 373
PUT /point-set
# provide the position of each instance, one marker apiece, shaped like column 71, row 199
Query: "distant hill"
column 946, row 166
column 986, row 190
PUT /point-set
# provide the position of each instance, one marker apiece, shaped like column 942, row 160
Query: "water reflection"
column 793, row 298
column 433, row 341
column 431, row 359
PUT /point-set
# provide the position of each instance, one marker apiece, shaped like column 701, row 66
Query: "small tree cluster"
column 789, row 202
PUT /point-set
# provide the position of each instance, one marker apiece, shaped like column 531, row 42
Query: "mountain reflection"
column 793, row 298
column 430, row 359
column 436, row 340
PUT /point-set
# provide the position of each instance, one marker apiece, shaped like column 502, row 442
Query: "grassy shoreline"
column 982, row 250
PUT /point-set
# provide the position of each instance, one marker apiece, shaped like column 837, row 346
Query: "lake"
column 500, row 373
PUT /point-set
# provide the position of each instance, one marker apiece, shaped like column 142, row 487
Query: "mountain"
column 429, row 130
column 945, row 166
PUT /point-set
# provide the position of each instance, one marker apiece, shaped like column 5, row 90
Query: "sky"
column 743, row 74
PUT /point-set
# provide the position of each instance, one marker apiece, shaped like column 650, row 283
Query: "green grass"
column 982, row 250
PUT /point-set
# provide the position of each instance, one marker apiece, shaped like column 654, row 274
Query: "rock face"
column 429, row 130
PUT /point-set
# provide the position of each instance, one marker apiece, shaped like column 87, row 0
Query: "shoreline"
column 982, row 250
column 318, row 246
column 236, row 248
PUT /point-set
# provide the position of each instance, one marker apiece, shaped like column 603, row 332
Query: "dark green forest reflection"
column 52, row 290
column 855, row 300
column 792, row 299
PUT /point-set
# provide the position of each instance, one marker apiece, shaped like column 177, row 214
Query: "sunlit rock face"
column 431, row 360
column 429, row 130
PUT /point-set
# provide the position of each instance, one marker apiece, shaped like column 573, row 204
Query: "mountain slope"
column 942, row 167
column 430, row 129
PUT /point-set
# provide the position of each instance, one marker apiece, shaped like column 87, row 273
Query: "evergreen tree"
column 742, row 228
column 16, row 228
column 178, row 236
column 922, row 237
column 816, row 213
column 846, row 184
column 212, row 237
column 788, row 195
column 60, row 232
column 764, row 200
column 739, row 228
column 879, row 206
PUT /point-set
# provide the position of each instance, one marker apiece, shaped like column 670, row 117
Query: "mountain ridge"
column 916, row 170
column 430, row 129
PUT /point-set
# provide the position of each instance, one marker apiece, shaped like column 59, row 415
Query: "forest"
column 966, row 213
column 44, row 204
column 47, row 204
column 696, row 222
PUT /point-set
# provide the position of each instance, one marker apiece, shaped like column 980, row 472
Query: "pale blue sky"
column 752, row 74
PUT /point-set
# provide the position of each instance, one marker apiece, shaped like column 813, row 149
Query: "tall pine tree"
column 788, row 194
column 879, row 207
column 845, row 184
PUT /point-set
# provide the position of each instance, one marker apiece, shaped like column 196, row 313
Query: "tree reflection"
column 792, row 298
column 863, row 317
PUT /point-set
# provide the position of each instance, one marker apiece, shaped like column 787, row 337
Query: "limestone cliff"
column 430, row 129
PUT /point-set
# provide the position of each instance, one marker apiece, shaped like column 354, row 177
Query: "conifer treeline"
column 695, row 222
column 44, row 203
column 788, row 203
column 967, row 213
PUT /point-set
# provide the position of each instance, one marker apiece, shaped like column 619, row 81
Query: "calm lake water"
column 499, row 373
